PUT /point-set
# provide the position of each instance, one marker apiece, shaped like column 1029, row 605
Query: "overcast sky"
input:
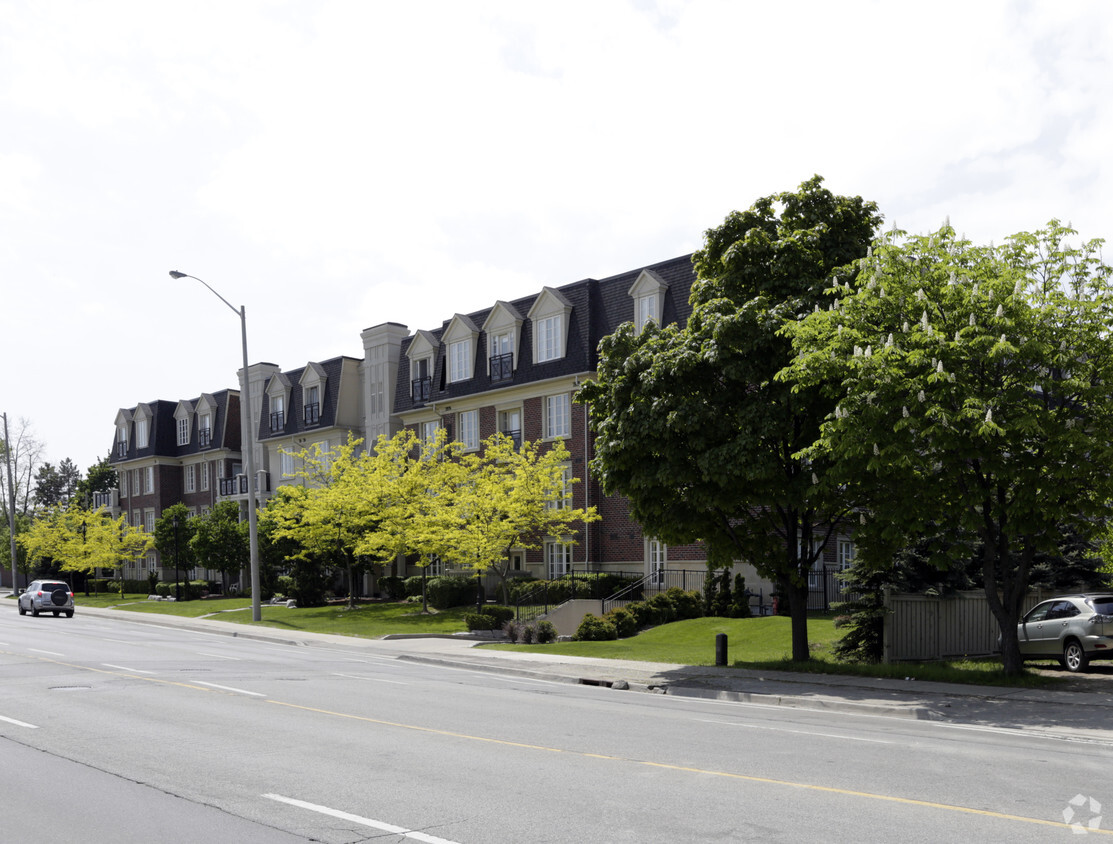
column 335, row 165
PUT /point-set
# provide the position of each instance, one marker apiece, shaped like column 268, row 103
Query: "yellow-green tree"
column 80, row 540
column 325, row 513
column 507, row 498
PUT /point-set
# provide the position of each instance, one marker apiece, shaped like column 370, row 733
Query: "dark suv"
column 46, row 596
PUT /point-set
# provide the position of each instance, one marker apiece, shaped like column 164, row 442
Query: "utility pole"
column 11, row 495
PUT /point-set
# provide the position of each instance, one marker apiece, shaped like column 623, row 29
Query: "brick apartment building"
column 513, row 367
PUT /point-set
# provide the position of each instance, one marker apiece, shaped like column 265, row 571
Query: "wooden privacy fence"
column 924, row 627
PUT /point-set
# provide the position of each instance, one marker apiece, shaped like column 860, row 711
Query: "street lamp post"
column 177, row 582
column 246, row 421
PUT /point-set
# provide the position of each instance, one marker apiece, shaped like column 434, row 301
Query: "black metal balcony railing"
column 278, row 421
column 121, row 448
column 421, row 389
column 234, row 486
column 205, row 437
column 102, row 499
column 312, row 413
column 515, row 435
column 502, row 367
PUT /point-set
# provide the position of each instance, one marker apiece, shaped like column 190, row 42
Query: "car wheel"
column 56, row 613
column 22, row 611
column 1074, row 657
column 34, row 610
column 69, row 613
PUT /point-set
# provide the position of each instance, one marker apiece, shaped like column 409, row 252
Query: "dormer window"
column 421, row 353
column 312, row 393
column 550, row 315
column 461, row 337
column 648, row 293
column 205, row 430
column 142, row 426
column 183, row 419
column 459, row 360
column 312, row 405
column 503, row 328
column 278, row 400
column 122, row 441
column 278, row 413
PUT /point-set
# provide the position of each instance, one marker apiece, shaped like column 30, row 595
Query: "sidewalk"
column 1049, row 711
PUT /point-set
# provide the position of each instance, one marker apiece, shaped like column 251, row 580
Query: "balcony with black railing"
column 205, row 437
column 312, row 413
column 278, row 421
column 515, row 435
column 421, row 389
column 233, row 486
column 121, row 448
column 502, row 367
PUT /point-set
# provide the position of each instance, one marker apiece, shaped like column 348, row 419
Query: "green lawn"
column 755, row 643
column 766, row 644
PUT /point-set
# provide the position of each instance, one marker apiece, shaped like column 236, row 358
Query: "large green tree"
column 974, row 390
column 56, row 486
column 692, row 425
column 220, row 541
column 173, row 532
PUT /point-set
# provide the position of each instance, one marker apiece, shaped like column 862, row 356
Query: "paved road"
column 318, row 739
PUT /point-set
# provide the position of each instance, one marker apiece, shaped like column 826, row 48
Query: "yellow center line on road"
column 905, row 801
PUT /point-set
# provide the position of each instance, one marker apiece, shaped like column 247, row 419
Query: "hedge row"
column 673, row 604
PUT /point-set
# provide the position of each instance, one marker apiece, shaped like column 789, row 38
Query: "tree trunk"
column 798, row 608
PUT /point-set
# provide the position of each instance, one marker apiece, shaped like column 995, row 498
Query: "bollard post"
column 720, row 648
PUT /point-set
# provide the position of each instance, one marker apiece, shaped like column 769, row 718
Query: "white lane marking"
column 18, row 723
column 347, row 816
column 51, row 653
column 372, row 679
column 228, row 688
column 125, row 668
column 797, row 732
column 218, row 656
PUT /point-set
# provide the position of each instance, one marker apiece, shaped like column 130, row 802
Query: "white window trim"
column 563, row 419
column 648, row 286
column 473, row 443
column 460, row 357
column 550, row 304
column 190, row 478
column 555, row 548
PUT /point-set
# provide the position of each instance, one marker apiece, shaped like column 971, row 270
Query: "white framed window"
column 563, row 499
column 149, row 520
column 123, row 484
column 558, row 558
column 421, row 379
column 288, row 467
column 847, row 553
column 137, row 518
column 510, row 423
column 429, row 430
column 645, row 311
column 459, row 360
column 467, row 425
column 152, row 561
column 149, row 480
column 326, row 456
column 558, row 416
column 435, row 567
column 311, row 410
column 142, row 430
column 205, row 430
column 136, row 483
column 204, row 476
column 278, row 413
column 656, row 558
column 190, row 478
column 183, row 431
column 549, row 338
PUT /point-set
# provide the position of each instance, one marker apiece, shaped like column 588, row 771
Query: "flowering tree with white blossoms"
column 975, row 389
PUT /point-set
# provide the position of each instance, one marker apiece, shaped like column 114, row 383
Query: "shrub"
column 623, row 621
column 740, row 604
column 481, row 621
column 594, row 629
column 501, row 614
column 686, row 604
column 663, row 608
column 643, row 613
column 412, row 586
column 545, row 632
column 285, row 584
column 393, row 587
column 446, row 592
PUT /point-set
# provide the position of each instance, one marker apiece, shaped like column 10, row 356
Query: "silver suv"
column 1074, row 628
column 46, row 596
